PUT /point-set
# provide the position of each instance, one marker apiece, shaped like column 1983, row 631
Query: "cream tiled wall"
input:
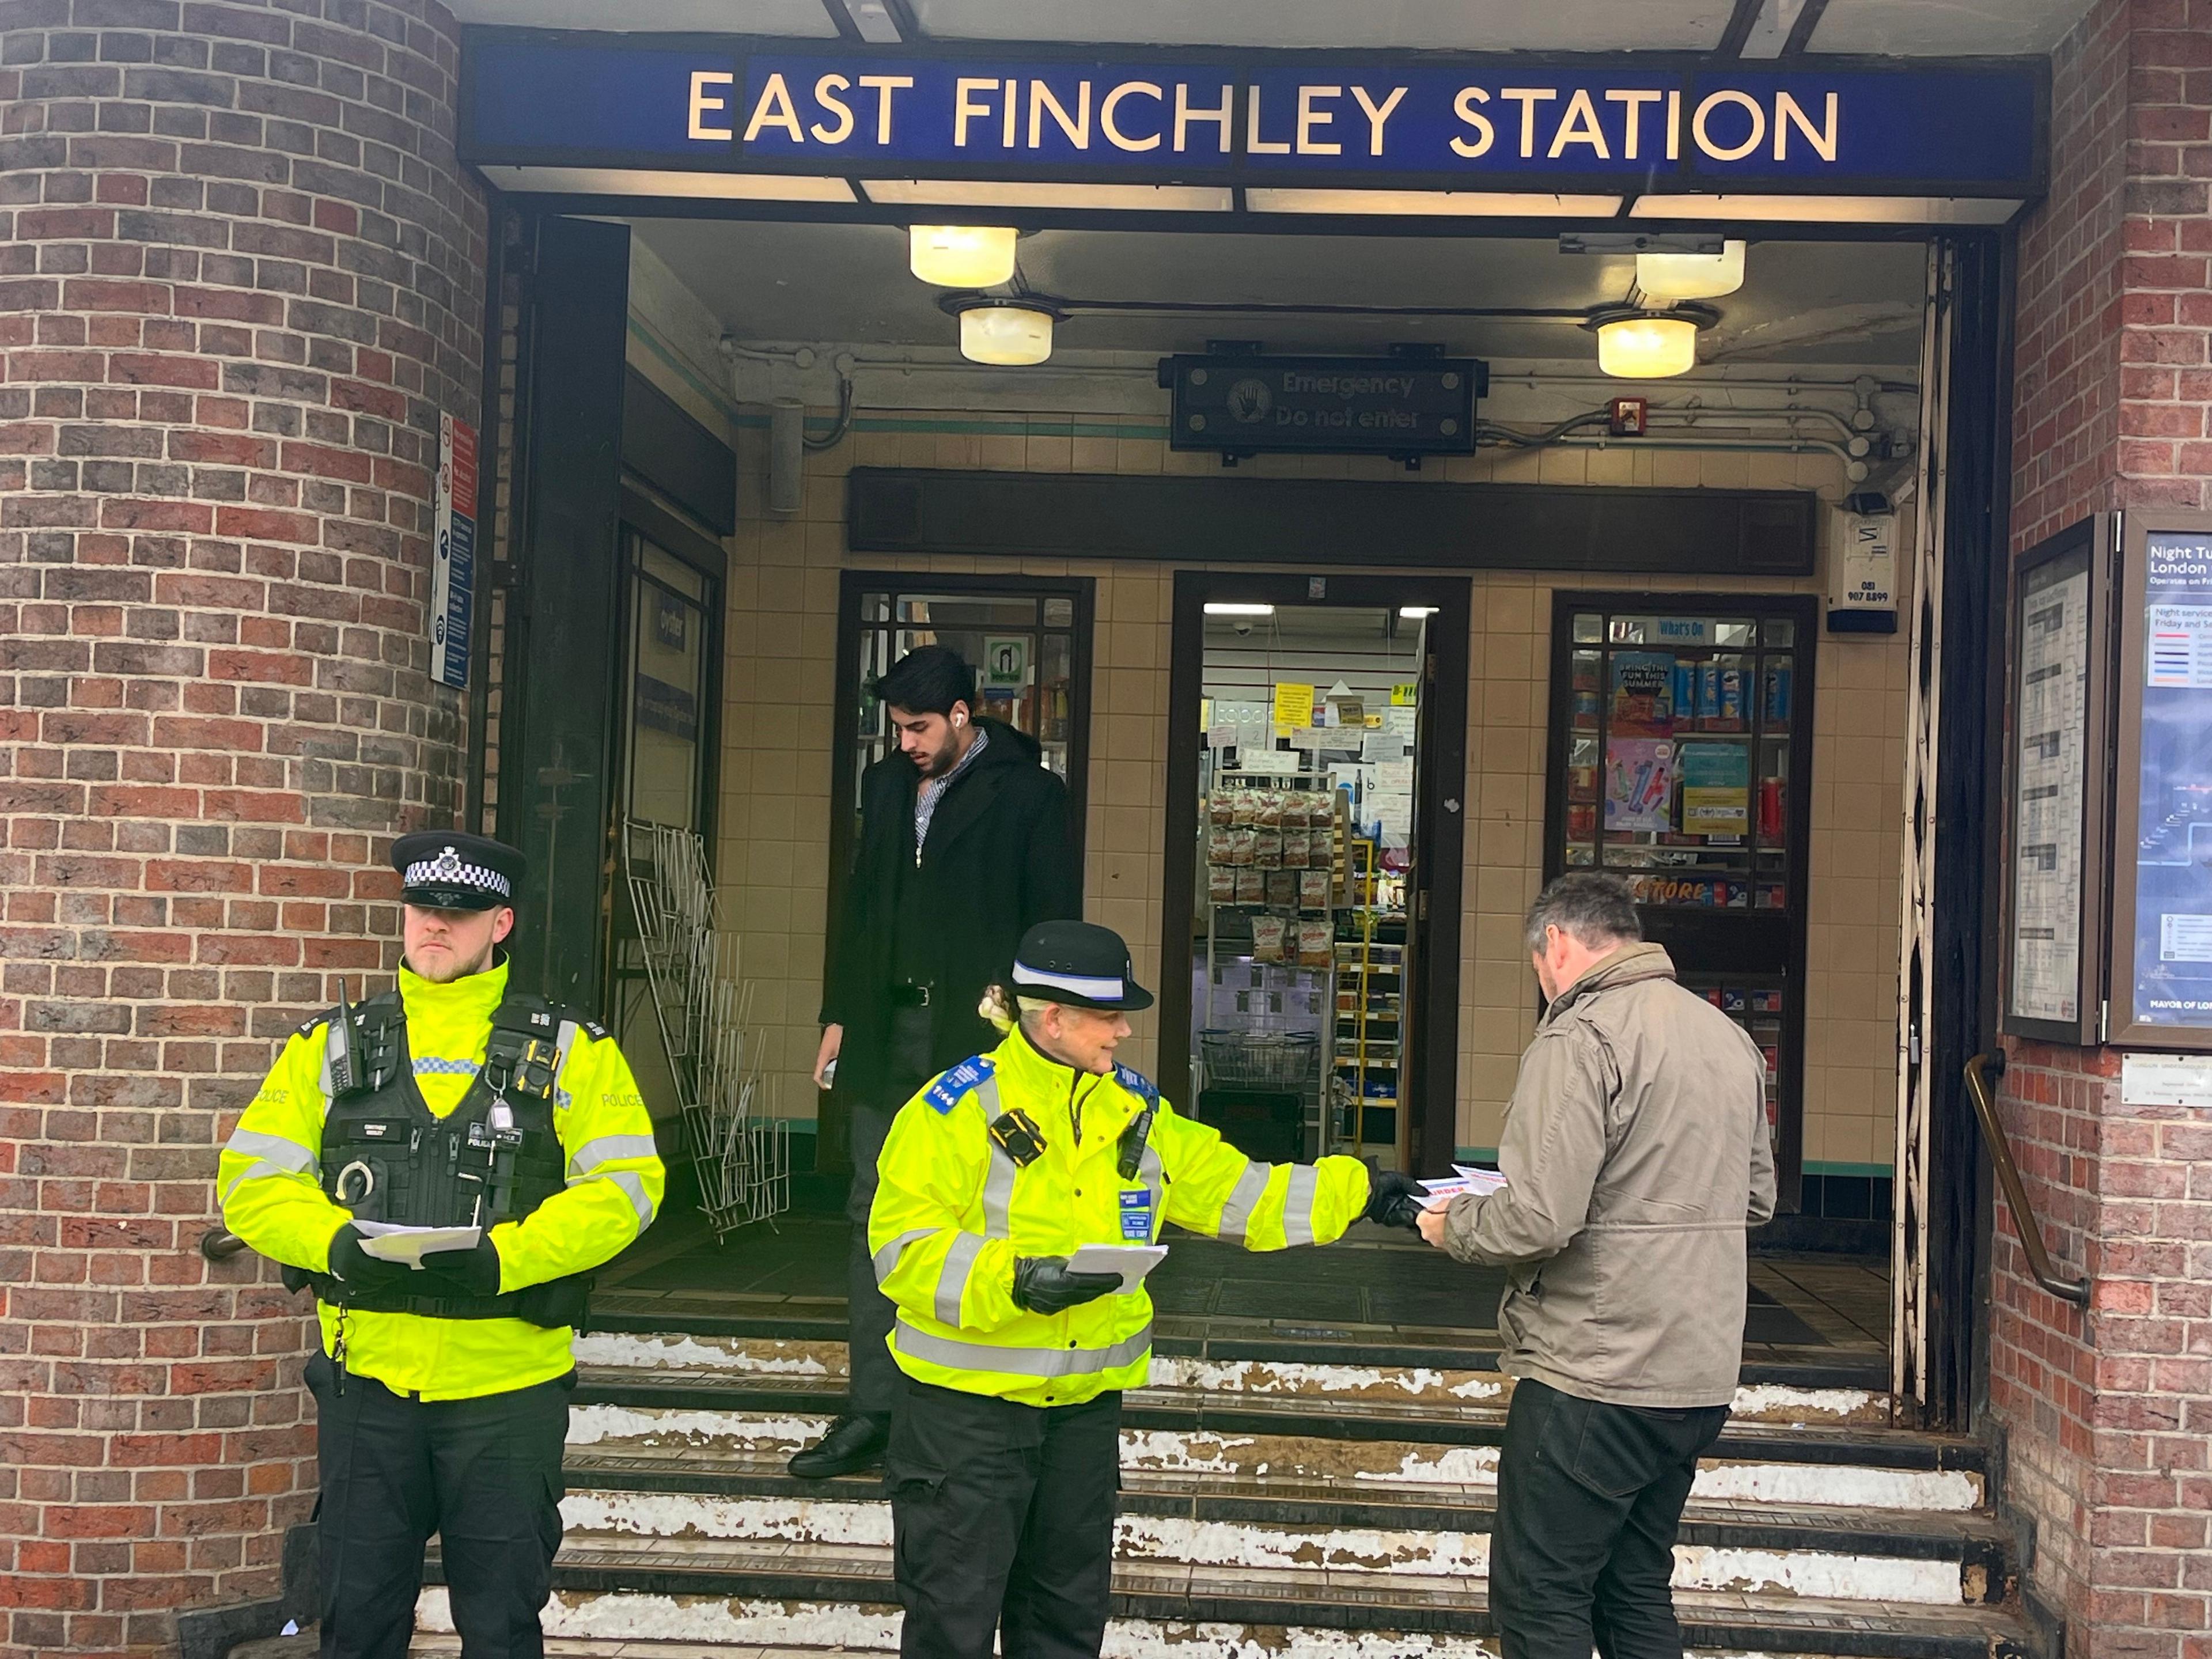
column 780, row 694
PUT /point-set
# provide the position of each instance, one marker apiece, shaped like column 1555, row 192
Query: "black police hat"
column 1078, row 964
column 452, row 870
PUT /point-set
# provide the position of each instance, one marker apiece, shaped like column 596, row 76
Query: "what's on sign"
column 1246, row 405
column 532, row 96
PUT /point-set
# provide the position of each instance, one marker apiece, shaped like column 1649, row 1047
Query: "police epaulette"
column 1137, row 1085
column 945, row 1093
column 315, row 1022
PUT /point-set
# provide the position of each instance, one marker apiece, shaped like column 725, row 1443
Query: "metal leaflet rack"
column 741, row 1148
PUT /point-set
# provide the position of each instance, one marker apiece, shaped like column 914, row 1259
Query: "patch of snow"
column 679, row 1352
column 1810, row 1572
column 1841, row 1484
column 1774, row 1400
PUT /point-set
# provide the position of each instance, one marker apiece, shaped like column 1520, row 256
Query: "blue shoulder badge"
column 1137, row 1085
column 944, row 1094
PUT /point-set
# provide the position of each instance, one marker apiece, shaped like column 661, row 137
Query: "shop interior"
column 1665, row 731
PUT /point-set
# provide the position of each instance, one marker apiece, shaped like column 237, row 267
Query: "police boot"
column 854, row 1441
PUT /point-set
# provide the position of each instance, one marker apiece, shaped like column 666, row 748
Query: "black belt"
column 909, row 995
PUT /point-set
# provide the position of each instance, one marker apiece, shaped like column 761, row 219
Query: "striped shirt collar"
column 932, row 789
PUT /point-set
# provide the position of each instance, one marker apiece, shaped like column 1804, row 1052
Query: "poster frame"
column 2122, row 1029
column 2098, row 536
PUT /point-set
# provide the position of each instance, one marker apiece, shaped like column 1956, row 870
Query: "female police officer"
column 1004, row 1457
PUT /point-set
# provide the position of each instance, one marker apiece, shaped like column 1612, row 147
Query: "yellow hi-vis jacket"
column 271, row 1186
column 953, row 1211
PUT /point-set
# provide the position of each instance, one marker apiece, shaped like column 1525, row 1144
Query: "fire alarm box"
column 1628, row 417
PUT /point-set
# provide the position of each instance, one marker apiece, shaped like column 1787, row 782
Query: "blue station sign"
column 1963, row 127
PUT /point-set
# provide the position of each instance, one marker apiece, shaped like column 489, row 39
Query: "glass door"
column 1681, row 743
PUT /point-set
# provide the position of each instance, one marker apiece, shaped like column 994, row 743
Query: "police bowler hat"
column 452, row 869
column 1078, row 964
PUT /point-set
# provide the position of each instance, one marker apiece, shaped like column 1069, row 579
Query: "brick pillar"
column 2108, row 1413
column 240, row 277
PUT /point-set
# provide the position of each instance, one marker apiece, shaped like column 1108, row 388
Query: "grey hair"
column 1595, row 909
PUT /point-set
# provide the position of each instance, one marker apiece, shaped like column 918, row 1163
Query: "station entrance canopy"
column 1823, row 140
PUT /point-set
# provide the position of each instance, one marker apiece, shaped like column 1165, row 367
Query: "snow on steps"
column 763, row 1359
column 745, row 1435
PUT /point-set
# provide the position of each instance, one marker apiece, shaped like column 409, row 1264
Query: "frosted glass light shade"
column 1647, row 348
column 962, row 256
column 1007, row 334
column 1671, row 276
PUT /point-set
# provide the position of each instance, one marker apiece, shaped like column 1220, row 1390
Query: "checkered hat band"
column 449, row 870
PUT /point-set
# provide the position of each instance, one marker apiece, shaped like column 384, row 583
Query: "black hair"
column 927, row 680
column 1595, row 908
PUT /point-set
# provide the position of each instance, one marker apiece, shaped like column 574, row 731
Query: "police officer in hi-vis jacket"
column 442, row 1381
column 1004, row 1457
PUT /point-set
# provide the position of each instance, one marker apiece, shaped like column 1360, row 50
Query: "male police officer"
column 442, row 1387
column 1005, row 1453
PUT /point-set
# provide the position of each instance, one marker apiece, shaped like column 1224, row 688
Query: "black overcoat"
column 998, row 859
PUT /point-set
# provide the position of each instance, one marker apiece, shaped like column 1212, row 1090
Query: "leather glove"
column 1043, row 1284
column 361, row 1273
column 1394, row 1199
column 473, row 1271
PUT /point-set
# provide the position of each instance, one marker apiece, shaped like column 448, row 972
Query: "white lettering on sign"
column 1115, row 135
column 1579, row 126
column 1742, row 100
column 964, row 108
column 775, row 109
column 1254, row 144
column 1377, row 114
column 1310, row 117
column 1634, row 98
column 1185, row 114
column 702, row 104
column 1485, row 134
column 825, row 93
column 1528, row 98
column 1077, row 127
column 883, row 86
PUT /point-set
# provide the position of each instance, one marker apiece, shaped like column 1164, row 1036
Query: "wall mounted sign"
column 547, row 97
column 2060, row 718
column 2161, row 931
column 1242, row 405
column 452, row 560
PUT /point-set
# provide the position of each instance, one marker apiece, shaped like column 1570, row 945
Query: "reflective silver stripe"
column 952, row 1276
column 607, row 1149
column 629, row 1181
column 1153, row 1174
column 272, row 1154
column 1298, row 1204
column 998, row 1183
column 1046, row 1363
column 1236, row 1214
column 887, row 1258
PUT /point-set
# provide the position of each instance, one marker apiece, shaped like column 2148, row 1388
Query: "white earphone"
column 960, row 719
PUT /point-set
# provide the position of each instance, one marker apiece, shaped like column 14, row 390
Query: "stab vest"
column 386, row 1157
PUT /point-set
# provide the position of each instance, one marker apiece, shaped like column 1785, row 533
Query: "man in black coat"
column 964, row 846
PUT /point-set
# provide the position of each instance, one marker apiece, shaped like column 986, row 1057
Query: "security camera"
column 1241, row 626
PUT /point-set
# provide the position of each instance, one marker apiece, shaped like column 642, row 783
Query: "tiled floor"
column 1375, row 1287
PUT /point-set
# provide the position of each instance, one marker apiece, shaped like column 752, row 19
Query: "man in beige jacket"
column 1636, row 1157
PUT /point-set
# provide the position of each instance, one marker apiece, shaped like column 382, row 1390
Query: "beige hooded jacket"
column 1636, row 1156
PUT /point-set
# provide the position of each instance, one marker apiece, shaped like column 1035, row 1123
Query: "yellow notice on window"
column 1294, row 705
column 1405, row 693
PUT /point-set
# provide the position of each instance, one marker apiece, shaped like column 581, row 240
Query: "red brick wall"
column 2109, row 1413
column 241, row 276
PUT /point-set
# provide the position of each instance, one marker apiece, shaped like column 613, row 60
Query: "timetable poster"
column 2173, row 854
column 2050, row 732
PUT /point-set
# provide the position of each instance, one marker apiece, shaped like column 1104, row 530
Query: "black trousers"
column 1590, row 1498
column 1002, row 1518
column 484, row 1475
column 877, row 1381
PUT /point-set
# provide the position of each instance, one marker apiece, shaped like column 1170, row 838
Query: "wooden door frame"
column 1440, row 821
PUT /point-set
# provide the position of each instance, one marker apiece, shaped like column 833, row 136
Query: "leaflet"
column 1463, row 1179
column 388, row 1241
column 1131, row 1262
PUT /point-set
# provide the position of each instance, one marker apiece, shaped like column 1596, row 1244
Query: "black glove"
column 473, row 1271
column 1394, row 1199
column 1043, row 1284
column 362, row 1274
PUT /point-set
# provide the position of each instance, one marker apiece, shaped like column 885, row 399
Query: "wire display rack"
column 739, row 1145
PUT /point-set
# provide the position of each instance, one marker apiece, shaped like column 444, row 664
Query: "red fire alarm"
column 1627, row 417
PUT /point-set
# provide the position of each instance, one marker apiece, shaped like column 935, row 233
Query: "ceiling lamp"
column 1669, row 277
column 962, row 256
column 1635, row 345
column 1005, row 331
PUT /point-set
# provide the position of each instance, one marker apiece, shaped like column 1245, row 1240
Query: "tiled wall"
column 777, row 744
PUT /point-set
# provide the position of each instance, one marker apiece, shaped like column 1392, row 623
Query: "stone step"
column 763, row 1359
column 1402, row 1440
column 768, row 1593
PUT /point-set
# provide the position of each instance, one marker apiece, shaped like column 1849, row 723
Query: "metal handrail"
column 220, row 1244
column 2075, row 1291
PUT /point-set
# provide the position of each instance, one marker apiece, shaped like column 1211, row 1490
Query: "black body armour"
column 386, row 1157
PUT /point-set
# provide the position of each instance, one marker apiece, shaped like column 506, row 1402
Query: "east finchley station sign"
column 1957, row 128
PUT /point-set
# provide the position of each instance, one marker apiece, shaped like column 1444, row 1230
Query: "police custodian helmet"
column 452, row 870
column 1078, row 964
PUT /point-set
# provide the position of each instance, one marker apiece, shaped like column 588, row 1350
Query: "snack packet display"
column 1314, row 939
column 1220, row 883
column 1267, row 935
column 1268, row 848
column 1251, row 887
column 1313, row 890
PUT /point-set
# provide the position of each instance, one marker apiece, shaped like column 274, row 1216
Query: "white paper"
column 387, row 1240
column 1382, row 746
column 1131, row 1262
column 1482, row 1182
